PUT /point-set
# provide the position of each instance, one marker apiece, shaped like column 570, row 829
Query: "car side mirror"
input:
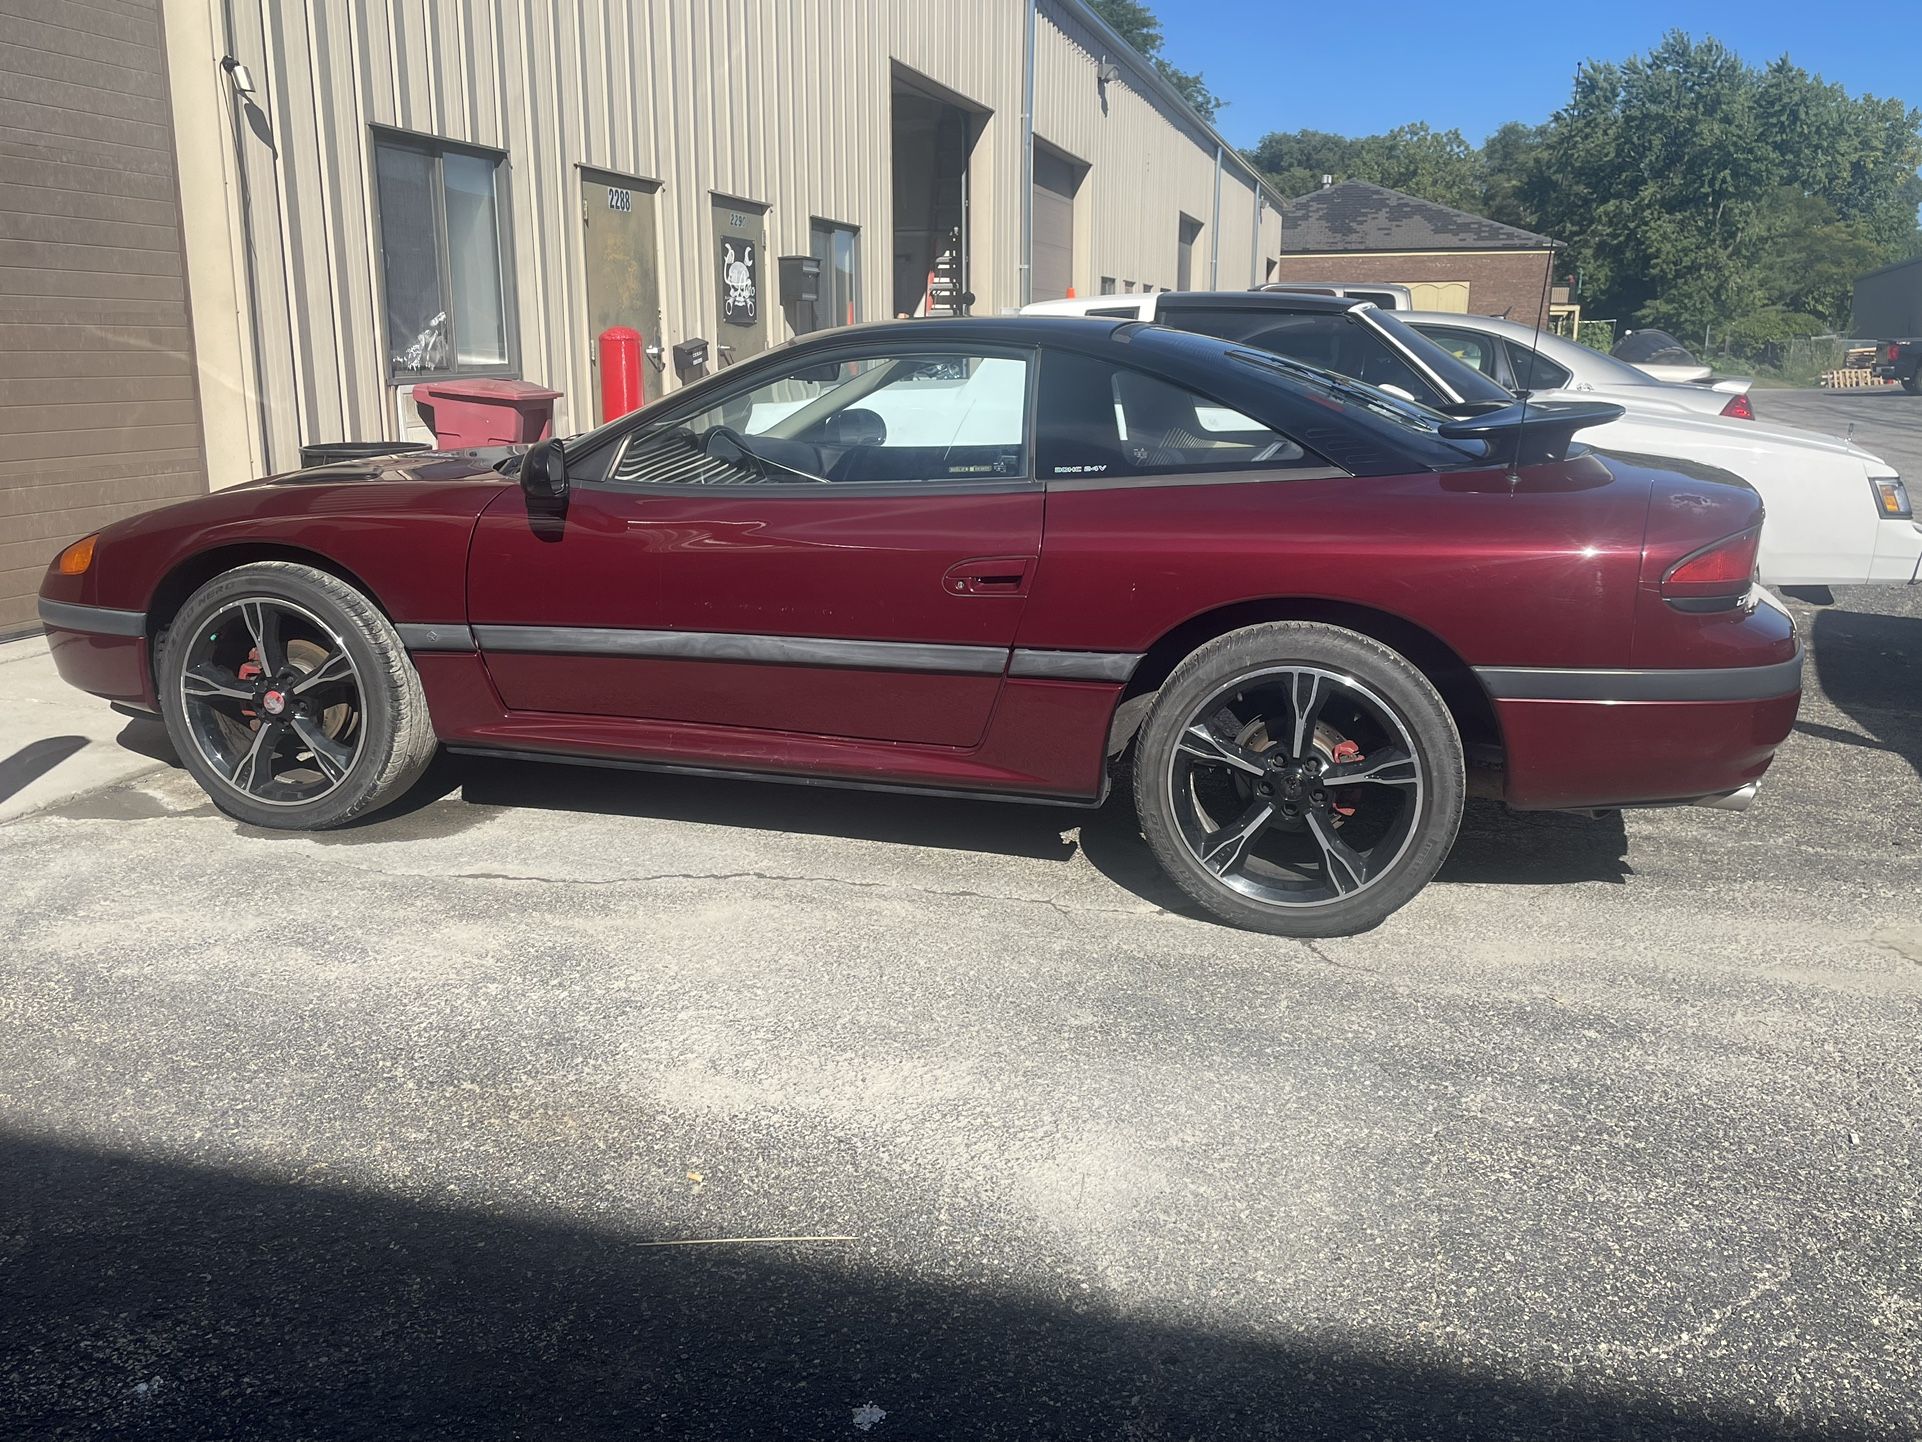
column 544, row 475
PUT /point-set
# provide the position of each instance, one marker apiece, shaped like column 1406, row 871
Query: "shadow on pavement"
column 151, row 1299
column 34, row 760
column 147, row 736
column 1010, row 829
column 1870, row 667
column 1495, row 846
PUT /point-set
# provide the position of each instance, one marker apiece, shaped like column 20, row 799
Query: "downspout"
column 1027, row 157
column 1214, row 229
column 1254, row 247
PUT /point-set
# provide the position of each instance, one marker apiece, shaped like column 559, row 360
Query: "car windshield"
column 1653, row 347
column 1598, row 369
column 1358, row 342
column 1411, row 415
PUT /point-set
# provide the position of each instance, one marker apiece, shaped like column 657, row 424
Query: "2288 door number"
column 619, row 199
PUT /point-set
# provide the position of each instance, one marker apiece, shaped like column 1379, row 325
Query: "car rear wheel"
column 1299, row 779
column 289, row 697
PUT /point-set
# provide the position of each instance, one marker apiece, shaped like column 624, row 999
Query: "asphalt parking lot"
column 502, row 1117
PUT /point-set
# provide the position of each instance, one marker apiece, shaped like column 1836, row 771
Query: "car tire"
column 349, row 725
column 1912, row 383
column 1298, row 875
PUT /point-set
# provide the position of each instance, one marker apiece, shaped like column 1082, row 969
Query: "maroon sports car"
column 1009, row 557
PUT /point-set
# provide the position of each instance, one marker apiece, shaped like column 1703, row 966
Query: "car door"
column 839, row 543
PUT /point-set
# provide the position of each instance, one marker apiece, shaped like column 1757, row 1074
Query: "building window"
column 837, row 247
column 1107, row 285
column 445, row 278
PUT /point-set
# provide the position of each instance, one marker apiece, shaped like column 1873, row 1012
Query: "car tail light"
column 1738, row 408
column 1892, row 498
column 76, row 558
column 1715, row 577
column 1895, row 351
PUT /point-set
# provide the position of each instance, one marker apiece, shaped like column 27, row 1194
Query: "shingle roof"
column 1356, row 216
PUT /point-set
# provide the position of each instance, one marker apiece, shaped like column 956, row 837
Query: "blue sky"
column 1359, row 70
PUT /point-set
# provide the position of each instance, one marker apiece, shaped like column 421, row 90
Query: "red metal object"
column 486, row 412
column 619, row 353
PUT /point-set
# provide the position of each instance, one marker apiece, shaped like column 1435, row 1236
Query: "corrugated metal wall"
column 1148, row 164
column 781, row 102
column 98, row 415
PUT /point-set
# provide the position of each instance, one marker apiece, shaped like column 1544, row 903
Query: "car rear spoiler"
column 1530, row 432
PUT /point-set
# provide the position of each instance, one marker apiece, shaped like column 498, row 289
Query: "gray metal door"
column 623, row 276
column 1054, row 187
column 744, row 277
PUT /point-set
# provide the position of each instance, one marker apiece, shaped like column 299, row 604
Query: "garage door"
column 98, row 417
column 1054, row 186
column 1440, row 295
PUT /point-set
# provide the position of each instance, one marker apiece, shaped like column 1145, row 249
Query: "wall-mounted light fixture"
column 241, row 77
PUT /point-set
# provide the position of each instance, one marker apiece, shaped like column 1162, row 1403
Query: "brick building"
column 1451, row 260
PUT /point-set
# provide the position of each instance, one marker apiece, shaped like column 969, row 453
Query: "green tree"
column 1141, row 28
column 1694, row 190
column 1690, row 190
column 1434, row 164
column 1508, row 160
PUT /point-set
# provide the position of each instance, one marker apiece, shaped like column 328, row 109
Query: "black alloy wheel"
column 1300, row 779
column 290, row 698
column 273, row 702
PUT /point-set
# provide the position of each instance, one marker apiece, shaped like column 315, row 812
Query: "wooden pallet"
column 1850, row 378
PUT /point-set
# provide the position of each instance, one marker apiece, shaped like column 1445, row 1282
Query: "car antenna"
column 1534, row 364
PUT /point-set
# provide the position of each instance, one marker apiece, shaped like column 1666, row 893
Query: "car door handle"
column 989, row 576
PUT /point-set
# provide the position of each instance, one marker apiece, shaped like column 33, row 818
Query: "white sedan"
column 1837, row 515
column 1500, row 349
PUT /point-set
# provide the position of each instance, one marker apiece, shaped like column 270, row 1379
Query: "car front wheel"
column 290, row 698
column 1299, row 778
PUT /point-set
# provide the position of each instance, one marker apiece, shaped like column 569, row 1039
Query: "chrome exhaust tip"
column 1740, row 799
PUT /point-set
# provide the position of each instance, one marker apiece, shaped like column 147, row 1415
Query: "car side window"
column 888, row 418
column 1467, row 347
column 1535, row 371
column 1100, row 420
column 1328, row 340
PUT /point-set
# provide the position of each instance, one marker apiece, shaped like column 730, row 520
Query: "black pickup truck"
column 1900, row 360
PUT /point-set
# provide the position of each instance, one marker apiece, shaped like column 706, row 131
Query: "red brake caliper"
column 1344, row 752
column 246, row 671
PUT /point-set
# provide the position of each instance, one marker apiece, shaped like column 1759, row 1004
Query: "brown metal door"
column 623, row 279
column 744, row 277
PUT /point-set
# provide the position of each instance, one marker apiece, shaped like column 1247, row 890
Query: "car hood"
column 478, row 463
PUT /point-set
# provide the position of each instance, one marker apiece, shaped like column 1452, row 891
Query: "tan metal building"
column 530, row 174
column 371, row 195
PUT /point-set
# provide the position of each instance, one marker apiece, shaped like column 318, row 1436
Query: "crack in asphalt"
column 1316, row 950
column 649, row 878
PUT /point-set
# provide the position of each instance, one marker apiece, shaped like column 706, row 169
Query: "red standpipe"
column 620, row 359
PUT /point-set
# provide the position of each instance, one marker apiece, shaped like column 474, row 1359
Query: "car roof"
column 1297, row 302
column 1002, row 329
column 1494, row 325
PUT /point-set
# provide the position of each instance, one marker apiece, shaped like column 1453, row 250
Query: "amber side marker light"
column 76, row 558
column 1892, row 498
